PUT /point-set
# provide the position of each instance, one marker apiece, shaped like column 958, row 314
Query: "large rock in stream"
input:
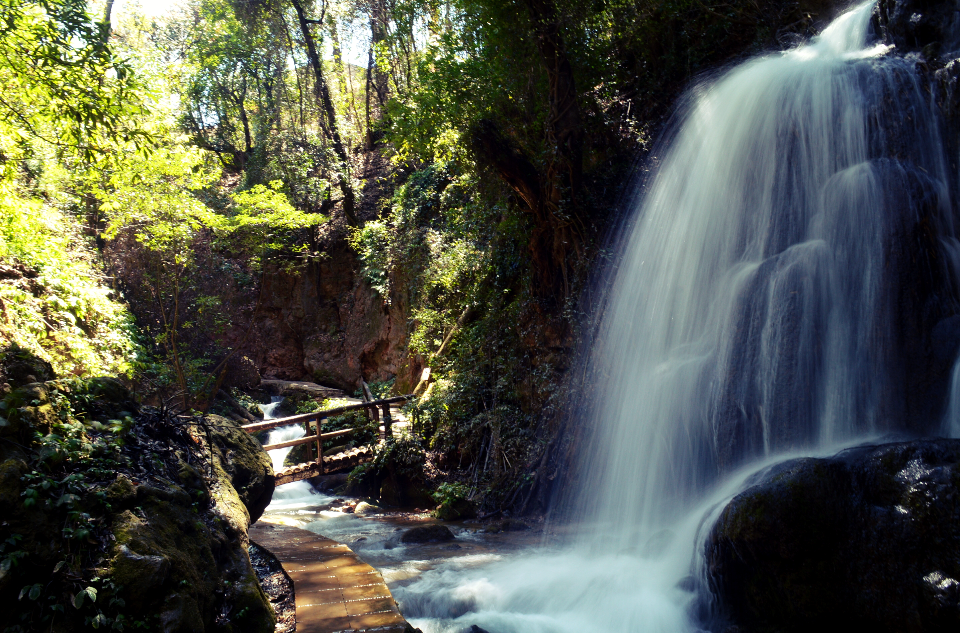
column 868, row 540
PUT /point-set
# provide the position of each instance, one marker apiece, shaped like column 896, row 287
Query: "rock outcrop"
column 124, row 517
column 865, row 540
column 326, row 325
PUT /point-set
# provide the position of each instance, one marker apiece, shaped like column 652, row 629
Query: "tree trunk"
column 552, row 196
column 322, row 93
column 565, row 131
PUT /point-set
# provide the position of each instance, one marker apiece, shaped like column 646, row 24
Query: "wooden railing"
column 318, row 418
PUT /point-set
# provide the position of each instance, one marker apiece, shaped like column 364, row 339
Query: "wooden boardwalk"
column 335, row 590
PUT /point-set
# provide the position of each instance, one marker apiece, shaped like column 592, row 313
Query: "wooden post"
column 368, row 397
column 387, row 422
column 320, row 422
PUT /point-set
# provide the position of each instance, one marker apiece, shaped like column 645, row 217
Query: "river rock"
column 19, row 366
column 506, row 525
column 865, row 540
column 366, row 509
column 427, row 534
column 455, row 508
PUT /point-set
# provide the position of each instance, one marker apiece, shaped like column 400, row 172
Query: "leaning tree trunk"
column 551, row 196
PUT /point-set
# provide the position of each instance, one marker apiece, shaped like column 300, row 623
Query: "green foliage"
column 398, row 457
column 68, row 107
column 70, row 462
column 372, row 243
column 382, row 389
column 153, row 198
column 59, row 308
column 449, row 493
column 263, row 223
column 60, row 84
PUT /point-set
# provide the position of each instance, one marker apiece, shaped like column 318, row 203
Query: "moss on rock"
column 147, row 513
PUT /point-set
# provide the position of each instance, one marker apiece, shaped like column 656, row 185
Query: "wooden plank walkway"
column 335, row 590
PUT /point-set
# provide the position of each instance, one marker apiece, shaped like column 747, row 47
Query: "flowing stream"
column 749, row 318
column 298, row 493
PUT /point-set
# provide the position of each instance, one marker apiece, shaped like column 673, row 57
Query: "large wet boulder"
column 866, row 540
column 427, row 534
column 930, row 26
column 245, row 464
column 117, row 517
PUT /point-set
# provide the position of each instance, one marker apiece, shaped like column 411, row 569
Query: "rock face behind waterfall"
column 930, row 31
column 865, row 540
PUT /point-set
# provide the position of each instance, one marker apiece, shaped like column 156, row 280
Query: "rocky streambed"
column 867, row 537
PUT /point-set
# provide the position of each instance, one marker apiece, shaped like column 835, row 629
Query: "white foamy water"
column 746, row 319
column 298, row 493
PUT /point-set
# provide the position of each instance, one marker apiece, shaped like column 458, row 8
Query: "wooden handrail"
column 293, row 419
column 307, row 439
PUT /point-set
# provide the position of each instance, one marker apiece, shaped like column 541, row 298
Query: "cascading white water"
column 750, row 315
column 292, row 494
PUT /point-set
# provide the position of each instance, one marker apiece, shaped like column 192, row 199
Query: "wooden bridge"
column 321, row 464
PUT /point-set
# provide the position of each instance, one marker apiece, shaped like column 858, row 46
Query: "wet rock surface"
column 427, row 534
column 327, row 325
column 277, row 585
column 865, row 540
column 928, row 26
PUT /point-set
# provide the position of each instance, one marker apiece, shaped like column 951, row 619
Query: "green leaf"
column 30, row 591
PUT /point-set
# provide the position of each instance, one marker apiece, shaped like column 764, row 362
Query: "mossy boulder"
column 246, row 465
column 146, row 511
column 865, row 540
column 19, row 366
column 454, row 508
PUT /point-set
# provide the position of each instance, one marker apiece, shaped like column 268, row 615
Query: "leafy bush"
column 372, row 242
column 398, row 457
column 54, row 301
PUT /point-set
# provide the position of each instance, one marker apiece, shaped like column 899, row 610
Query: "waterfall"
column 774, row 296
column 755, row 309
column 293, row 494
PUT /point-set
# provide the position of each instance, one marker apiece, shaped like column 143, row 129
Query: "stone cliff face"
column 328, row 326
